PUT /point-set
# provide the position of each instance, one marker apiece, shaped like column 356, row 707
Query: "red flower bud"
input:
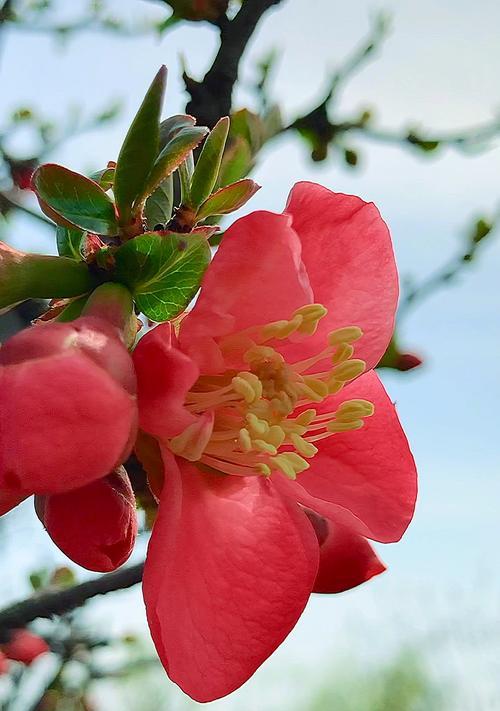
column 25, row 646
column 63, row 388
column 96, row 525
column 4, row 664
column 408, row 361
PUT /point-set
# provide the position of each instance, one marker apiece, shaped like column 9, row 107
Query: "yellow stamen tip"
column 262, row 469
column 307, row 449
column 344, row 335
column 245, row 440
column 262, row 446
column 349, row 370
column 342, row 353
column 335, row 426
column 305, row 418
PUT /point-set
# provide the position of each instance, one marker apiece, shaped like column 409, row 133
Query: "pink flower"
column 94, row 525
column 67, row 407
column 268, row 421
column 68, row 417
column 24, row 646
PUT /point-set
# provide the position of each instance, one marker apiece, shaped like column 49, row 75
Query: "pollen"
column 268, row 416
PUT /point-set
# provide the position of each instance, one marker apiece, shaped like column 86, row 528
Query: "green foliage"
column 228, row 199
column 237, row 161
column 104, row 177
column 159, row 205
column 163, row 271
column 171, row 157
column 208, row 165
column 69, row 242
column 140, row 148
column 170, row 126
column 34, row 276
column 401, row 685
column 72, row 200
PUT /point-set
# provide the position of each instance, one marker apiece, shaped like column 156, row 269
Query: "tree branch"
column 211, row 98
column 49, row 604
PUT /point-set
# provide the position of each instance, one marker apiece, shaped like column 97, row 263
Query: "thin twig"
column 58, row 602
column 211, row 98
column 7, row 200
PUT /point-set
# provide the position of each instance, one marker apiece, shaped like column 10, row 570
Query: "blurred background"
column 425, row 101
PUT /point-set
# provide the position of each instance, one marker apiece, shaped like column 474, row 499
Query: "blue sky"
column 439, row 68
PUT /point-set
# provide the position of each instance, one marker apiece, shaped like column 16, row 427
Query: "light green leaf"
column 139, row 149
column 228, row 199
column 69, row 242
column 208, row 165
column 237, row 161
column 158, row 208
column 104, row 178
column 72, row 200
column 163, row 271
column 175, row 152
column 172, row 125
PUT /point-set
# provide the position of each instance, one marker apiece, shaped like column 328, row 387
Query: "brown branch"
column 211, row 98
column 58, row 602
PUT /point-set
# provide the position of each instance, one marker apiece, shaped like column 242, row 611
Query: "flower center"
column 259, row 420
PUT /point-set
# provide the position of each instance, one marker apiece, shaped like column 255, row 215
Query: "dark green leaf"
column 140, row 148
column 175, row 152
column 208, row 165
column 72, row 200
column 69, row 242
column 228, row 199
column 163, row 271
column 158, row 208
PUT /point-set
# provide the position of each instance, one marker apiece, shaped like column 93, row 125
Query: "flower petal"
column 54, row 411
column 256, row 277
column 164, row 376
column 347, row 252
column 371, row 471
column 10, row 498
column 345, row 559
column 24, row 646
column 230, row 567
column 96, row 525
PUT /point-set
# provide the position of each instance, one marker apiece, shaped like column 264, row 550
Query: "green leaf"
column 72, row 200
column 140, row 148
column 73, row 309
column 163, row 271
column 172, row 125
column 104, row 178
column 36, row 276
column 228, row 199
column 175, row 152
column 69, row 242
column 207, row 167
column 249, row 126
column 237, row 161
column 158, row 208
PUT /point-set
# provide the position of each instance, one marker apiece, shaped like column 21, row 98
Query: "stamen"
column 246, row 417
column 191, row 443
column 302, row 446
column 349, row 334
column 349, row 370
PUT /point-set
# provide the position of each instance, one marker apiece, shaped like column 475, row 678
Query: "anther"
column 344, row 335
column 305, row 448
column 349, row 370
